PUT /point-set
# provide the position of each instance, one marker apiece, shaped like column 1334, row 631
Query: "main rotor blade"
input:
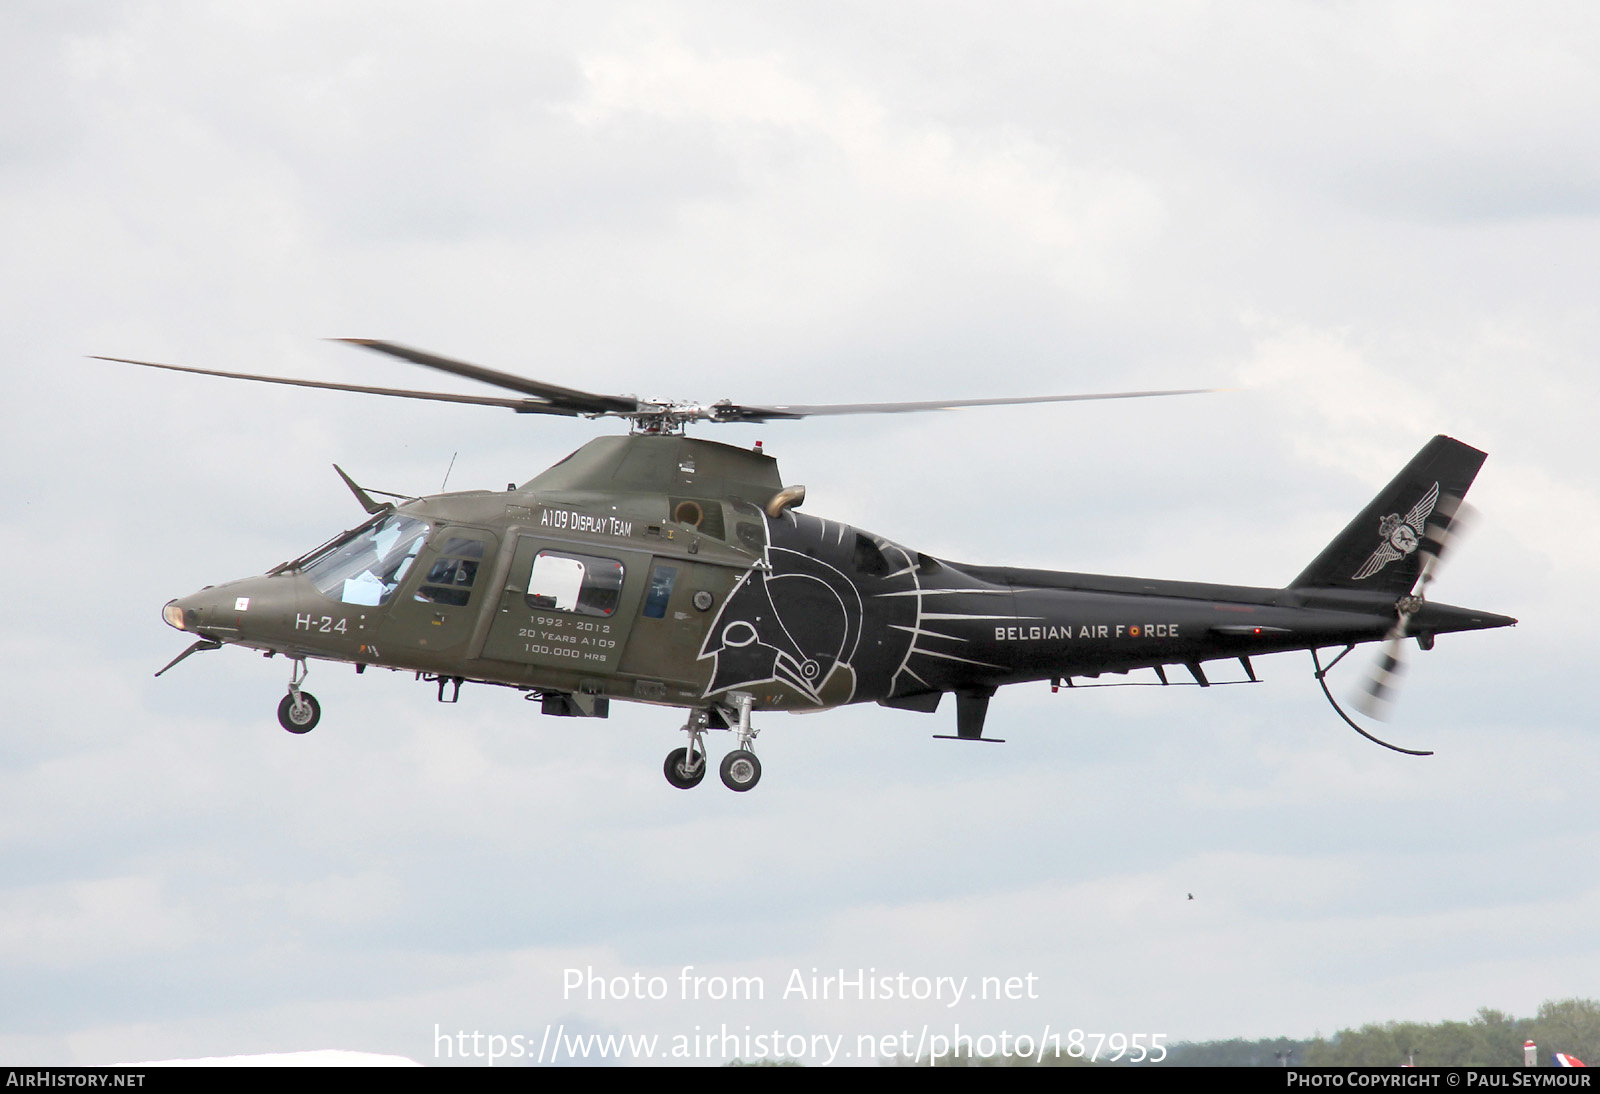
column 579, row 402
column 786, row 410
column 521, row 406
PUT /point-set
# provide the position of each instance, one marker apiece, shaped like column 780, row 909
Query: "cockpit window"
column 366, row 568
column 449, row 580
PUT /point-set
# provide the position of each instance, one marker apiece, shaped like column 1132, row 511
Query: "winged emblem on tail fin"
column 1397, row 536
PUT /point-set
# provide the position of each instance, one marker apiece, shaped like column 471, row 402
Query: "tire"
column 677, row 776
column 740, row 770
column 301, row 720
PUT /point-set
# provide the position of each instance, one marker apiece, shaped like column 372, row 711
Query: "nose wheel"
column 299, row 711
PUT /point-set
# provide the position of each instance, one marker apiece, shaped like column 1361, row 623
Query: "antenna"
column 447, row 471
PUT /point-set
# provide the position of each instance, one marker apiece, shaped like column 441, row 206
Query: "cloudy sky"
column 1374, row 222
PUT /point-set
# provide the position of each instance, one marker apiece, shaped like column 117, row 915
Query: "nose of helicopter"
column 191, row 613
column 232, row 610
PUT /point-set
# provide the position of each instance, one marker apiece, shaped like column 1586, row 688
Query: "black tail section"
column 1383, row 548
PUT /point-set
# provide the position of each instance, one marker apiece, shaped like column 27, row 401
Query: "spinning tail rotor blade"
column 1378, row 691
column 1450, row 519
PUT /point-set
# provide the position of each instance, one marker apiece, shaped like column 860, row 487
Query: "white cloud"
column 1375, row 221
column 84, row 923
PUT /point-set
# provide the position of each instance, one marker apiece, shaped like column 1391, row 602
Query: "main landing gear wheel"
column 678, row 772
column 740, row 770
column 299, row 713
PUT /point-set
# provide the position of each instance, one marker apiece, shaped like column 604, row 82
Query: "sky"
column 1371, row 222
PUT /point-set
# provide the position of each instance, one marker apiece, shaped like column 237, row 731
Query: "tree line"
column 1491, row 1039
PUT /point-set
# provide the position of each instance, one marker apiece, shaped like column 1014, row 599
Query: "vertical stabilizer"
column 1379, row 550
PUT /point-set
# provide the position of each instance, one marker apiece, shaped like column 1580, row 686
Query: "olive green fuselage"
column 648, row 568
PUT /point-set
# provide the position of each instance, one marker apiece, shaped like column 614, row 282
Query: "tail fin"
column 1379, row 549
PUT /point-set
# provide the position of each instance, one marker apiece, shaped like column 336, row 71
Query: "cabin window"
column 367, row 567
column 574, row 583
column 660, row 594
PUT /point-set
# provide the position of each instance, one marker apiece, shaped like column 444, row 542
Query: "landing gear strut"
column 740, row 770
column 299, row 712
column 685, row 767
column 683, row 774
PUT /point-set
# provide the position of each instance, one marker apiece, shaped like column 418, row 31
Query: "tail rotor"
column 1450, row 519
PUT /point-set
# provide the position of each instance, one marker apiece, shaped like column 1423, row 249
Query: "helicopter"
column 664, row 569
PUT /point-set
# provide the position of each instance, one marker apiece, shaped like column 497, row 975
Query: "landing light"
column 173, row 615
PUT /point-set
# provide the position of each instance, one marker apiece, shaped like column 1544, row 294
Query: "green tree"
column 1497, row 1038
column 1570, row 1025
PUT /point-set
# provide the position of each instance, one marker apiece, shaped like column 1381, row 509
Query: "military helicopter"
column 664, row 569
